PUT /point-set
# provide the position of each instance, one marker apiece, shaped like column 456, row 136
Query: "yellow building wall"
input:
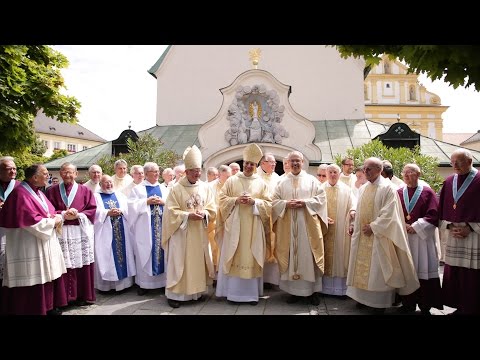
column 64, row 141
column 404, row 100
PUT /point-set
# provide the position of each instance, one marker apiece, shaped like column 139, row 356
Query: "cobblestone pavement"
column 272, row 303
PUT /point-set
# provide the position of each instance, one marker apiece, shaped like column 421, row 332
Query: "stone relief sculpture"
column 255, row 116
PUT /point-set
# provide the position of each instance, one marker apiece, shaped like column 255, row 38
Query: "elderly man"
column 95, row 173
column 167, row 175
column 138, row 175
column 146, row 206
column 341, row 213
column 189, row 208
column 271, row 274
column 114, row 259
column 347, row 176
column 8, row 172
column 235, row 167
column 460, row 214
column 420, row 210
column 77, row 205
column 300, row 219
column 214, row 234
column 245, row 208
column 286, row 167
column 33, row 257
column 179, row 171
column 212, row 173
column 380, row 261
column 121, row 179
column 322, row 173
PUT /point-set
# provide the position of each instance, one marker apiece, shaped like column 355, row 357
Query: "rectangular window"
column 56, row 145
column 85, row 147
column 72, row 147
column 46, row 143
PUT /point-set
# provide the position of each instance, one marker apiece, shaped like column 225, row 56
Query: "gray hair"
column 466, row 153
column 120, row 162
column 67, row 164
column 93, row 167
column 298, row 153
column 150, row 166
column 334, row 167
column 413, row 167
column 135, row 167
column 322, row 167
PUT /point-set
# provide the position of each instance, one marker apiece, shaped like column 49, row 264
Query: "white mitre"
column 252, row 153
column 192, row 157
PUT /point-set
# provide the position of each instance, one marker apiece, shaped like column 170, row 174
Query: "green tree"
column 460, row 64
column 31, row 80
column 399, row 157
column 146, row 148
column 57, row 154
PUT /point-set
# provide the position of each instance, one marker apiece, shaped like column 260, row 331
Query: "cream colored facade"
column 71, row 144
column 324, row 86
column 392, row 95
column 197, row 85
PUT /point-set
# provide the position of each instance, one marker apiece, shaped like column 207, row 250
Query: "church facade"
column 284, row 98
column 270, row 95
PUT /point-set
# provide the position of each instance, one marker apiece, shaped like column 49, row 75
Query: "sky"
column 115, row 89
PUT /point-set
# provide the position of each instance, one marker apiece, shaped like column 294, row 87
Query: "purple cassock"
column 426, row 206
column 19, row 211
column 461, row 285
column 78, row 282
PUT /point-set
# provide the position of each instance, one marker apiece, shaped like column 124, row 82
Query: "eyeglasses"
column 457, row 162
column 321, row 175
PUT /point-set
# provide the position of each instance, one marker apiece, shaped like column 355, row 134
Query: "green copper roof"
column 155, row 66
column 174, row 137
column 331, row 136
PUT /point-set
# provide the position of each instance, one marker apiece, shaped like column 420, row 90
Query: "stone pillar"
column 374, row 92
column 402, row 92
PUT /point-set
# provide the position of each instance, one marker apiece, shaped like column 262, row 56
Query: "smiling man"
column 245, row 208
column 380, row 260
column 299, row 216
column 460, row 214
column 190, row 208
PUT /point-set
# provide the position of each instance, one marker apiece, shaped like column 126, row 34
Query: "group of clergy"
column 247, row 231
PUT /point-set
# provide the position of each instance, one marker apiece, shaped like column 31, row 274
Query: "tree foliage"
column 460, row 64
column 30, row 80
column 146, row 148
column 399, row 157
column 57, row 154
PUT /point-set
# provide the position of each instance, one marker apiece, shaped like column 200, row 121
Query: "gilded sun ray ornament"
column 255, row 56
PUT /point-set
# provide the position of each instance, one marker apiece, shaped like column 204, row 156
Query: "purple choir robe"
column 22, row 210
column 79, row 282
column 460, row 288
column 430, row 293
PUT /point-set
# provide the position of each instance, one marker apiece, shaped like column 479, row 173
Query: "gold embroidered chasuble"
column 215, row 246
column 340, row 201
column 189, row 265
column 315, row 217
column 382, row 261
column 244, row 234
